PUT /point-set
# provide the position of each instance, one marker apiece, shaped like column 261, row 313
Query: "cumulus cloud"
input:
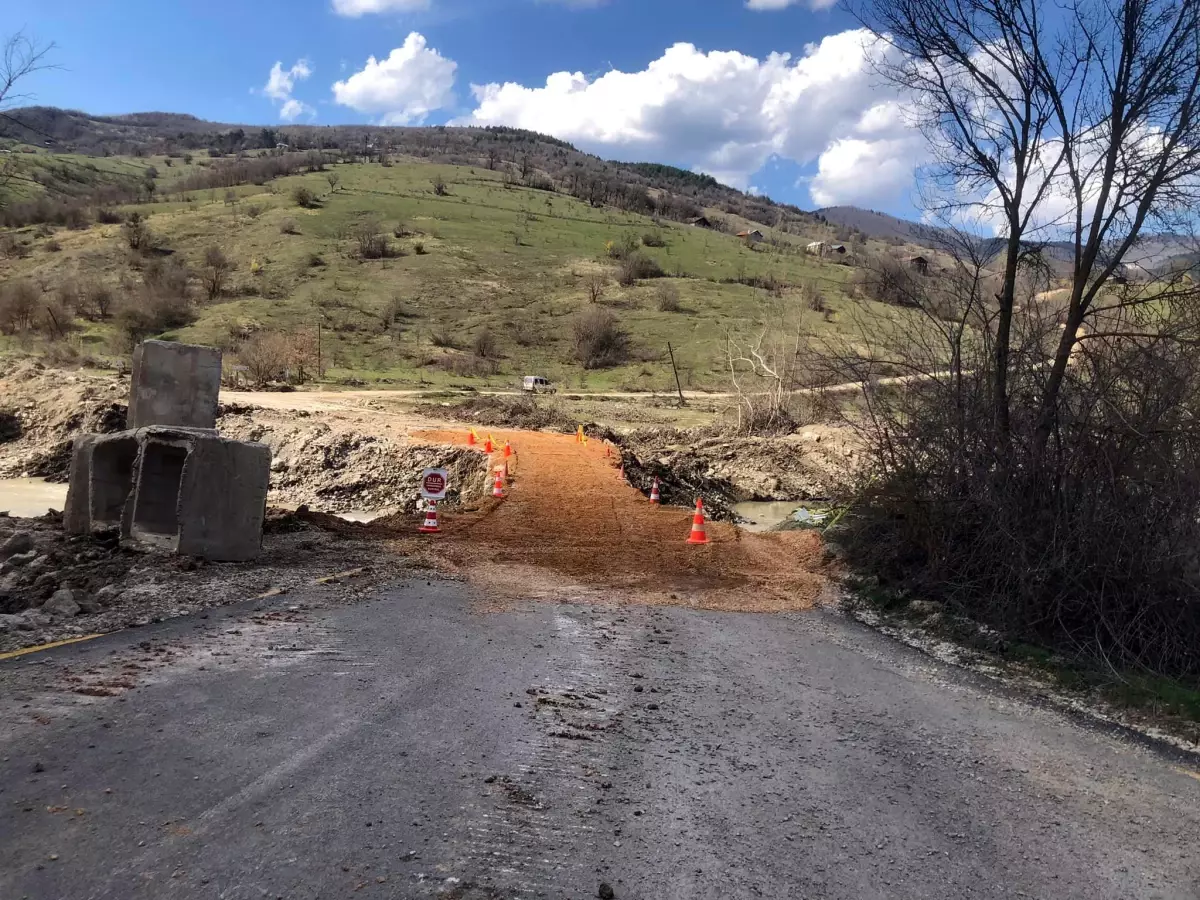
column 413, row 81
column 280, row 84
column 727, row 113
column 356, row 8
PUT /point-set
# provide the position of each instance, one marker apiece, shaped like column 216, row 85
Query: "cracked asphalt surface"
column 411, row 745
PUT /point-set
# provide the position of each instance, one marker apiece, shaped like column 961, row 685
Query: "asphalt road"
column 412, row 746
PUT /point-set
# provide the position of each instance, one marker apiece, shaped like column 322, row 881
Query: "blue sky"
column 778, row 99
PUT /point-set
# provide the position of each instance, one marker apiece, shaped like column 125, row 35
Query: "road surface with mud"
column 422, row 743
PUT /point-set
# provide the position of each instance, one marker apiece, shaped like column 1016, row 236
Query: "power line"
column 15, row 121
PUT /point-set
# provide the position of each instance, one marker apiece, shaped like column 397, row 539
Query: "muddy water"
column 29, row 497
column 765, row 515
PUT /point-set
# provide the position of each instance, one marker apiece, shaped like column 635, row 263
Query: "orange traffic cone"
column 498, row 487
column 471, row 438
column 430, row 526
column 698, row 535
column 607, row 451
column 654, row 495
column 487, row 445
column 579, row 436
column 507, row 449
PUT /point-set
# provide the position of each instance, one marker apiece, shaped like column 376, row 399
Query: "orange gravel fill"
column 571, row 528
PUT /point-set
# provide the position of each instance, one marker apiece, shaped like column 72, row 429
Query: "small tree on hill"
column 215, row 273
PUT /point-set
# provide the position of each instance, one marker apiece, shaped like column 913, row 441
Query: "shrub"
column 145, row 313
column 304, row 198
column 485, row 345
column 371, row 243
column 266, row 356
column 18, row 305
column 623, row 248
column 638, row 265
column 667, row 297
column 315, row 260
column 215, row 273
column 886, row 280
column 137, row 232
column 97, row 299
column 439, row 186
column 288, row 226
column 169, row 278
column 106, row 216
column 443, row 338
column 600, row 341
column 596, row 285
column 653, row 239
column 254, row 210
column 419, row 248
column 53, row 246
column 12, row 248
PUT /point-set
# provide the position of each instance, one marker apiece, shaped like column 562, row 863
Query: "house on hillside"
column 752, row 237
column 700, row 222
column 822, row 248
column 918, row 264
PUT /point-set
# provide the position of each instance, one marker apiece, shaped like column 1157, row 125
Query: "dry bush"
column 419, row 248
column 19, row 300
column 653, row 239
column 439, row 186
column 443, row 337
column 485, row 345
column 885, row 279
column 600, row 341
column 97, row 300
column 372, row 243
column 468, row 366
column 667, row 298
column 304, row 198
column 636, row 266
column 288, row 226
column 137, row 233
column 215, row 272
column 623, row 248
column 13, row 248
column 266, row 356
column 143, row 314
column 596, row 284
column 107, row 216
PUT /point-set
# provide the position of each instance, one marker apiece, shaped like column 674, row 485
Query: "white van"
column 536, row 384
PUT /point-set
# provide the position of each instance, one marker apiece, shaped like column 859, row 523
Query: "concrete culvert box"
column 174, row 385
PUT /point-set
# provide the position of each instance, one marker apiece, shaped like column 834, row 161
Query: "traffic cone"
column 698, row 535
column 654, row 495
column 579, row 434
column 507, row 449
column 472, row 438
column 498, row 487
column 430, row 526
column 487, row 445
column 607, row 451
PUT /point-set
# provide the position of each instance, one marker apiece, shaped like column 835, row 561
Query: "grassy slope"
column 505, row 258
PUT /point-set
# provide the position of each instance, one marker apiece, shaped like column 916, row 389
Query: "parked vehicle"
column 536, row 384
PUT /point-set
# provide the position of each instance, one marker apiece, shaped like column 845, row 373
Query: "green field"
column 499, row 257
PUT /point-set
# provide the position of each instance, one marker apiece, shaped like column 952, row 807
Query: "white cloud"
column 356, row 8
column 280, row 84
column 726, row 113
column 281, row 81
column 413, row 81
column 773, row 5
column 293, row 109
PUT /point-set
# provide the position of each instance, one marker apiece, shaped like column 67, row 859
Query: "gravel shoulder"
column 401, row 742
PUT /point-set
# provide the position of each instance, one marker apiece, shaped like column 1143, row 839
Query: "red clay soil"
column 571, row 528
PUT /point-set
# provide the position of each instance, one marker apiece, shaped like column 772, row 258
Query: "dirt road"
column 415, row 747
column 570, row 523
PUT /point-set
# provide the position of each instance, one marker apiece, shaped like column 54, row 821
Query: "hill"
column 395, row 269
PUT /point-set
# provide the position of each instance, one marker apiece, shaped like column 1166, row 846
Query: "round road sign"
column 434, row 483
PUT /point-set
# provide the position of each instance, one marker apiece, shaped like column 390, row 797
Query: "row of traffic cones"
column 489, row 445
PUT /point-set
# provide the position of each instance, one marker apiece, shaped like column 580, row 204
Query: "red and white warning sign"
column 434, row 483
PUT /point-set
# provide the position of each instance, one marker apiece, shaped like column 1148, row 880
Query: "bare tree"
column 1077, row 122
column 767, row 366
column 21, row 56
column 596, row 284
column 215, row 273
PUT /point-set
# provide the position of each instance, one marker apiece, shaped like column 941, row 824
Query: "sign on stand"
column 434, row 484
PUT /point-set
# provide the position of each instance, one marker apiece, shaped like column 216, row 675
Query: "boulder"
column 17, row 560
column 108, row 595
column 61, row 604
column 87, row 604
column 18, row 542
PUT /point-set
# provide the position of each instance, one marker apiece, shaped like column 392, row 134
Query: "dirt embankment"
column 331, row 461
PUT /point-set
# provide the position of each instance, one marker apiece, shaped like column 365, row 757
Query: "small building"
column 700, row 222
column 821, row 248
column 752, row 237
column 918, row 264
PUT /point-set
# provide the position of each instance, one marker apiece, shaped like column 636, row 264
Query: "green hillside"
column 491, row 255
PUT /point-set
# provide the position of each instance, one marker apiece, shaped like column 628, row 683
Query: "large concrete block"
column 174, row 385
column 178, row 489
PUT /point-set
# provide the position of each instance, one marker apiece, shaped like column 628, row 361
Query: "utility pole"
column 675, row 369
